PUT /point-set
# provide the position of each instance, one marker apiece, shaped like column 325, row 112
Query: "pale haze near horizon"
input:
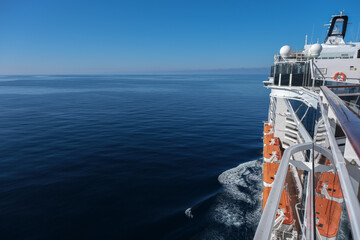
column 119, row 37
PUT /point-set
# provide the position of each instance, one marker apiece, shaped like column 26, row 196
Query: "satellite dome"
column 285, row 51
column 315, row 50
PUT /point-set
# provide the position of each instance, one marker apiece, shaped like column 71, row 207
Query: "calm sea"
column 131, row 157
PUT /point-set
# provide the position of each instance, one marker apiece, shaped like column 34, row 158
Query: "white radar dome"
column 285, row 51
column 315, row 50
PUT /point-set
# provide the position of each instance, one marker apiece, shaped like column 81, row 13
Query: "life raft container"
column 340, row 77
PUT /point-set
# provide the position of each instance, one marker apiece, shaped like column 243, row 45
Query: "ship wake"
column 236, row 211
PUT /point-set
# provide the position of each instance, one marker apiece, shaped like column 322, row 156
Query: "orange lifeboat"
column 284, row 204
column 268, row 129
column 271, row 152
column 330, row 182
column 328, row 214
column 270, row 139
column 269, row 172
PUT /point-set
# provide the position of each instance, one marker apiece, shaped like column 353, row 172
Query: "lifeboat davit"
column 272, row 153
column 269, row 139
column 284, row 205
column 269, row 172
column 268, row 129
column 329, row 187
column 328, row 214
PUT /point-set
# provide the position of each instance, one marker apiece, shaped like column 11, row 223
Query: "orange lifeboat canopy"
column 267, row 129
column 269, row 138
column 332, row 180
column 328, row 214
column 284, row 204
column 269, row 172
column 269, row 151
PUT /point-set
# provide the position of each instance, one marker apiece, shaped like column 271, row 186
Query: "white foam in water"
column 235, row 207
column 188, row 213
column 236, row 211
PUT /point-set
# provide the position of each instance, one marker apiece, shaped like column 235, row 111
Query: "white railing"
column 267, row 220
column 265, row 227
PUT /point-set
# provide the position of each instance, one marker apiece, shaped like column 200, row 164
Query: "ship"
column 311, row 154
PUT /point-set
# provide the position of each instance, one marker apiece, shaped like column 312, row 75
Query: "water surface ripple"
column 122, row 157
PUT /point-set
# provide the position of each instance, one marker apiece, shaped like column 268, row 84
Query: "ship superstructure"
column 311, row 162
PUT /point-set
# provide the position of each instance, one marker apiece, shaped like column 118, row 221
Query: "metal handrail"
column 351, row 200
column 349, row 122
column 266, row 223
column 353, row 106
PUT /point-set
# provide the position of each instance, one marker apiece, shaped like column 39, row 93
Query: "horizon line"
column 214, row 71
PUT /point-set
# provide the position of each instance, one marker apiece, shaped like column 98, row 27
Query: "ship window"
column 318, row 83
column 358, row 55
column 285, row 79
column 286, row 69
column 338, row 28
column 272, row 71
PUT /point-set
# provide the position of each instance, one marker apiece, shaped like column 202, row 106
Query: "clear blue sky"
column 129, row 36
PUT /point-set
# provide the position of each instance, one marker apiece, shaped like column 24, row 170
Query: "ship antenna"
column 306, row 38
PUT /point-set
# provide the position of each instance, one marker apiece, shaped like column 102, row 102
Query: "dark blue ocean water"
column 123, row 157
